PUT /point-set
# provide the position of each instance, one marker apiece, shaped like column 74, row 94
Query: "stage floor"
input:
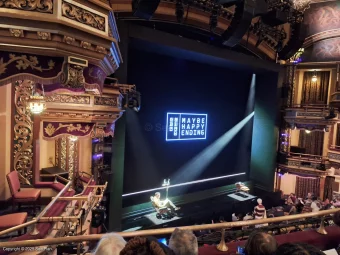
column 201, row 212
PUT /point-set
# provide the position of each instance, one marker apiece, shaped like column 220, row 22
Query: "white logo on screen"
column 192, row 126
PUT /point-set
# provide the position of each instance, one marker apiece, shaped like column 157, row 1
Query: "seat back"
column 13, row 182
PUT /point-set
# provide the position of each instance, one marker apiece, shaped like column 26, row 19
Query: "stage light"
column 134, row 100
column 193, row 169
column 186, row 126
column 183, row 184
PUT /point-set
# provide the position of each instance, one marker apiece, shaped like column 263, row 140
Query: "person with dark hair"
column 298, row 249
column 260, row 243
column 145, row 246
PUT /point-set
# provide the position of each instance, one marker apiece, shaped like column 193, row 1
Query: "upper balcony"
column 311, row 117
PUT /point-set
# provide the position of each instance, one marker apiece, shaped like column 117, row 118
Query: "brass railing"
column 307, row 157
column 164, row 231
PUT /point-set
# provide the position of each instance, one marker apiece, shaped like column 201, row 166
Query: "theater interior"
column 212, row 104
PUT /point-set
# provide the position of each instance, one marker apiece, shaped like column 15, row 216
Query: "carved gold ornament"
column 106, row 101
column 23, row 62
column 50, row 129
column 44, row 35
column 16, row 32
column 85, row 45
column 68, row 99
column 69, row 39
column 101, row 49
column 83, row 16
column 23, row 131
column 73, row 76
column 45, row 6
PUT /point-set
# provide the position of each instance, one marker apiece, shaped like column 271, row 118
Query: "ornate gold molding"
column 106, row 101
column 44, row 35
column 44, row 6
column 68, row 99
column 63, row 152
column 83, row 16
column 23, row 131
column 73, row 76
column 57, row 148
column 70, row 158
column 16, row 32
column 50, row 129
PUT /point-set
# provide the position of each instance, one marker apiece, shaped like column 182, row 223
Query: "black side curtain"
column 315, row 92
column 328, row 190
column 337, row 140
column 312, row 142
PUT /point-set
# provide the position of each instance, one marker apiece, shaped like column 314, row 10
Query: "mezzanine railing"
column 167, row 231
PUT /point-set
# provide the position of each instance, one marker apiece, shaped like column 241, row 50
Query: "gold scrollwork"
column 70, row 159
column 44, row 6
column 73, row 76
column 23, row 62
column 106, row 101
column 57, row 152
column 68, row 39
column 85, row 17
column 50, row 129
column 68, row 99
column 23, row 130
column 63, row 152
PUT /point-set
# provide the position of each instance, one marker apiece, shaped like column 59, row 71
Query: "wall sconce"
column 36, row 103
column 314, row 78
column 307, row 131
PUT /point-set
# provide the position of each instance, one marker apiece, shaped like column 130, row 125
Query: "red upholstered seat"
column 27, row 195
column 18, row 195
column 84, row 179
column 12, row 220
column 52, row 185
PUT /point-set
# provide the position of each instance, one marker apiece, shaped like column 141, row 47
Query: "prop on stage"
column 165, row 208
column 240, row 187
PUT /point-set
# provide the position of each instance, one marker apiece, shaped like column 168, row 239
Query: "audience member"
column 183, row 242
column 293, row 198
column 110, row 244
column 145, row 246
column 298, row 249
column 234, row 217
column 315, row 205
column 260, row 243
column 259, row 210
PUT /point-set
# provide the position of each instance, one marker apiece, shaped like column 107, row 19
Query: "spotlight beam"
column 183, row 184
column 200, row 162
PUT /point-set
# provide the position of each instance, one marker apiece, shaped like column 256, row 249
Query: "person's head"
column 260, row 243
column 289, row 201
column 110, row 244
column 158, row 195
column 336, row 218
column 298, row 249
column 145, row 246
column 259, row 201
column 309, row 195
column 183, row 242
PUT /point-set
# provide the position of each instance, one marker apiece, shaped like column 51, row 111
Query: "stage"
column 198, row 212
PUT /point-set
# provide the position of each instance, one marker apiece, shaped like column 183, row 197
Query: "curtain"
column 315, row 92
column 329, row 184
column 337, row 140
column 305, row 185
column 312, row 142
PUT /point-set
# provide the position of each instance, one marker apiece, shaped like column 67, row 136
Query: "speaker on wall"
column 144, row 9
column 297, row 38
column 245, row 11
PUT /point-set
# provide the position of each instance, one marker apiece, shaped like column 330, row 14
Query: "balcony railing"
column 168, row 231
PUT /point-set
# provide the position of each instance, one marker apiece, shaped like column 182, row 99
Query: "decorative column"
column 66, row 155
column 322, row 187
column 289, row 84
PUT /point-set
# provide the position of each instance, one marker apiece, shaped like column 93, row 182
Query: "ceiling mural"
column 323, row 16
column 323, row 51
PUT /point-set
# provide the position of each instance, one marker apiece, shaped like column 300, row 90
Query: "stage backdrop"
column 175, row 85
